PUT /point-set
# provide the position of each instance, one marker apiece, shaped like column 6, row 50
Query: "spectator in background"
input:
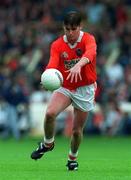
column 113, row 119
column 8, row 120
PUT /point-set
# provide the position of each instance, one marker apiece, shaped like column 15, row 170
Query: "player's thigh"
column 80, row 118
column 58, row 103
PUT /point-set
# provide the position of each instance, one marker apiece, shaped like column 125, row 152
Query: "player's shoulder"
column 89, row 38
column 58, row 41
column 88, row 35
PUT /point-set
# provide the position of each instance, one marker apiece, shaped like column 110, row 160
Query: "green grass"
column 100, row 158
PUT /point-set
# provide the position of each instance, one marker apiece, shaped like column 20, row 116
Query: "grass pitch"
column 100, row 158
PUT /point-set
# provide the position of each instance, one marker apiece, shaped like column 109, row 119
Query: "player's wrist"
column 85, row 60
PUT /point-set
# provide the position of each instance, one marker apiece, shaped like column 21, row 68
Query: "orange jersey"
column 64, row 56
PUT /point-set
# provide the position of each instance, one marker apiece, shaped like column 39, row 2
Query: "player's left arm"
column 88, row 56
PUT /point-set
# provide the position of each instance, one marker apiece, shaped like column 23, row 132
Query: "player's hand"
column 42, row 87
column 74, row 74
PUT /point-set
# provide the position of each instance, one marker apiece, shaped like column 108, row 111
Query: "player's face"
column 72, row 33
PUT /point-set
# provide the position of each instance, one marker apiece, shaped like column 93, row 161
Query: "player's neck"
column 72, row 41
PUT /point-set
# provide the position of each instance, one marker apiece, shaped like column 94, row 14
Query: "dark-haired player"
column 74, row 54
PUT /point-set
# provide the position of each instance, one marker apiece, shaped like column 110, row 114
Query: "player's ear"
column 64, row 27
column 80, row 27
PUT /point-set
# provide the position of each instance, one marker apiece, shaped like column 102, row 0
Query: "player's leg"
column 57, row 104
column 77, row 134
column 83, row 102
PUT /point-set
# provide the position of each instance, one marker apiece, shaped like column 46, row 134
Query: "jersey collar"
column 78, row 40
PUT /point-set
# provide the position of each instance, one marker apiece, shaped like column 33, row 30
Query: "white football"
column 51, row 79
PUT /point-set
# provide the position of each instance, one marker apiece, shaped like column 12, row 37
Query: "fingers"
column 74, row 76
column 77, row 77
column 68, row 77
column 80, row 76
column 71, row 77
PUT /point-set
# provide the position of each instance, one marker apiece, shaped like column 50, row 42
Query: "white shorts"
column 83, row 98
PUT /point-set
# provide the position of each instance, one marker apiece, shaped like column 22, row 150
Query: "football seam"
column 61, row 80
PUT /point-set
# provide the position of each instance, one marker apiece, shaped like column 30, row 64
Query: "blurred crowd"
column 26, row 30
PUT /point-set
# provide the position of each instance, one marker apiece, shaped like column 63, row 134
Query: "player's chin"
column 71, row 40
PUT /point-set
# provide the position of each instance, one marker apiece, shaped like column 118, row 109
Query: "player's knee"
column 77, row 132
column 50, row 114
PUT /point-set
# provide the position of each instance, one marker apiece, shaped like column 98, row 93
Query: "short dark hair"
column 72, row 18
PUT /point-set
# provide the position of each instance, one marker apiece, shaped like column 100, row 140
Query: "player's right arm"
column 54, row 57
